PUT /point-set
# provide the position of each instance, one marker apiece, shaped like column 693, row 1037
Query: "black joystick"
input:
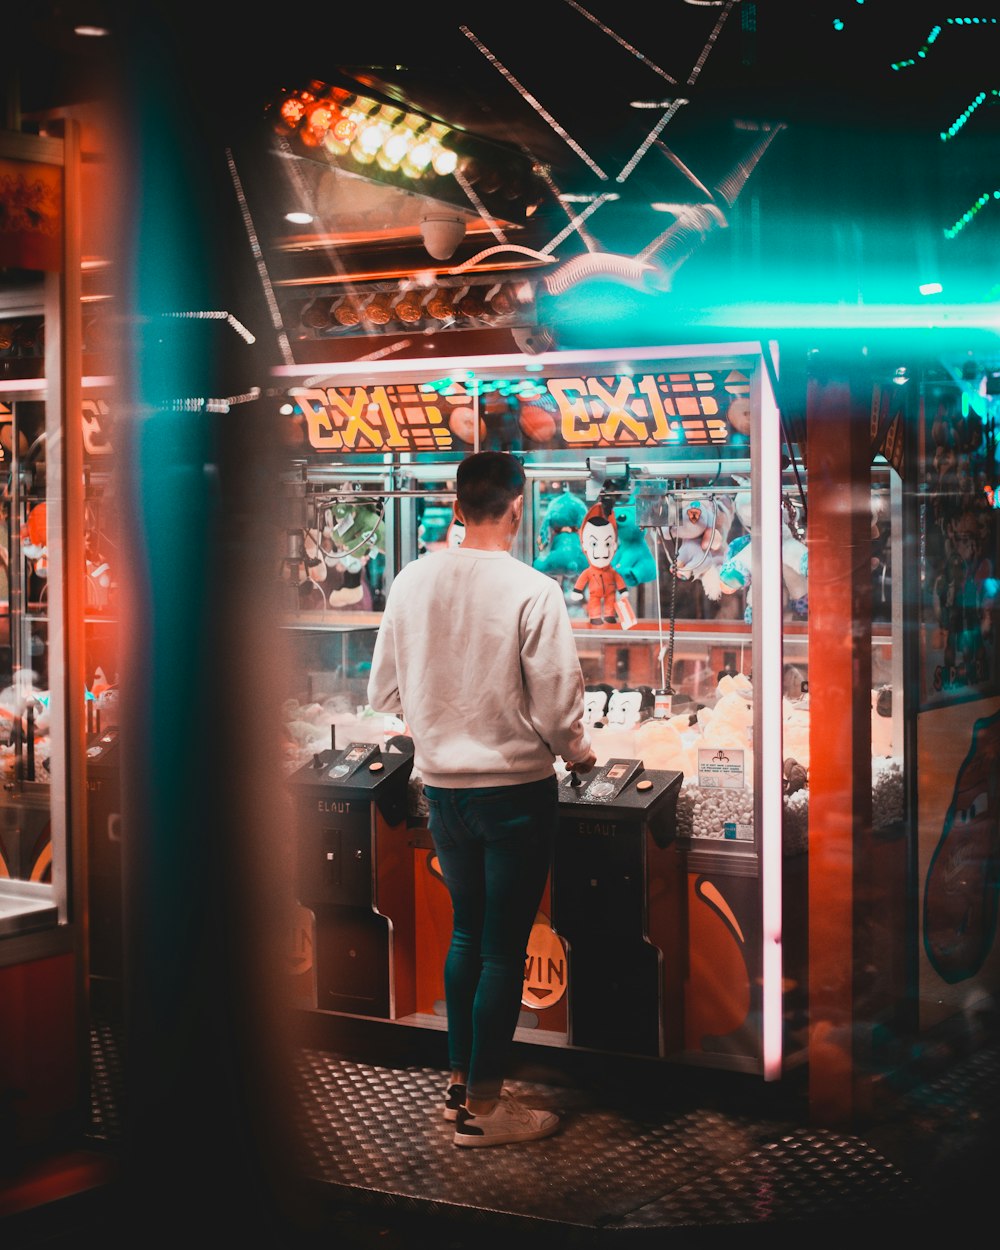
column 574, row 780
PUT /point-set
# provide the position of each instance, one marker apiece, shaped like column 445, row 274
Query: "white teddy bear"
column 702, row 535
column 735, row 572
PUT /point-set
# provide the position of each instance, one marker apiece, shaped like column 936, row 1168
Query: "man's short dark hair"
column 487, row 483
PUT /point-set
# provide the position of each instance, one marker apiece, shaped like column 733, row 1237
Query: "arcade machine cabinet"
column 617, row 901
column 354, row 878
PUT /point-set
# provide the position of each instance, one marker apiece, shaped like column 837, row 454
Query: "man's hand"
column 583, row 765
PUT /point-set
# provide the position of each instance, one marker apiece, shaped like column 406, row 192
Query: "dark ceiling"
column 810, row 133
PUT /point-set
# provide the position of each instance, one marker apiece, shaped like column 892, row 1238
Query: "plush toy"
column 735, row 572
column 629, row 706
column 794, row 563
column 351, row 535
column 559, row 536
column 702, row 535
column 633, row 559
column 595, row 703
column 601, row 583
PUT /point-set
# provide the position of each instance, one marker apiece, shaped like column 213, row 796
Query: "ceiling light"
column 300, row 219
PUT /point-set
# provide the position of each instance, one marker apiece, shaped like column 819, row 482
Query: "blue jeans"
column 494, row 846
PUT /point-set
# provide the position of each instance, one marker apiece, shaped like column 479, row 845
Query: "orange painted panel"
column 718, row 996
column 39, row 1078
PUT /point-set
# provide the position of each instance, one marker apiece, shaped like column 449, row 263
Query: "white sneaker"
column 509, row 1121
column 454, row 1100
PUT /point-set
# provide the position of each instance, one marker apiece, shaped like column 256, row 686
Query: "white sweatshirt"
column 476, row 653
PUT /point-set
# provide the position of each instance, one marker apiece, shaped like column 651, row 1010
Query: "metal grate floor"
column 374, row 1139
column 381, row 1130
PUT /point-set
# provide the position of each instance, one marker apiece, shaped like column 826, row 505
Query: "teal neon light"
column 970, row 213
column 921, row 54
column 964, row 116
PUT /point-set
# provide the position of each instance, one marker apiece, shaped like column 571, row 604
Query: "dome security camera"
column 442, row 233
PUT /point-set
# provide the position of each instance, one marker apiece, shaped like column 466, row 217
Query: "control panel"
column 606, row 783
column 352, row 759
column 624, row 791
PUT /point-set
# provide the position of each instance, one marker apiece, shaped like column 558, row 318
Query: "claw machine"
column 671, row 467
column 44, row 1046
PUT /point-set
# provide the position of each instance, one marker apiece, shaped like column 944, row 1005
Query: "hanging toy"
column 702, row 535
column 735, row 573
column 600, row 582
column 559, row 536
column 633, row 559
column 353, row 535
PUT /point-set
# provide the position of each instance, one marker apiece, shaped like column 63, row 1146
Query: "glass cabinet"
column 699, row 665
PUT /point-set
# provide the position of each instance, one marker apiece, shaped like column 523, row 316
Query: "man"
column 476, row 653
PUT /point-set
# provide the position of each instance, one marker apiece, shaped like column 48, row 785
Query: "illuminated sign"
column 96, row 420
column 97, row 427
column 668, row 409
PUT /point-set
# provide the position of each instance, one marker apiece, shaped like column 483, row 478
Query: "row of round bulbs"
column 350, row 125
column 409, row 308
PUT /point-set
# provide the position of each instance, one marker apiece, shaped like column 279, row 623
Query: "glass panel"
column 30, row 673
column 25, row 823
column 331, row 564
column 41, row 517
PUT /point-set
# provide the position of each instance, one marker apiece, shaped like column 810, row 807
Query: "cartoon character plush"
column 633, row 559
column 702, row 537
column 629, row 706
column 599, row 582
column 559, row 536
column 595, row 703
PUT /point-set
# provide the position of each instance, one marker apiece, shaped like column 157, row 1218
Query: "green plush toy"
column 357, row 529
column 559, row 536
column 633, row 559
column 352, row 537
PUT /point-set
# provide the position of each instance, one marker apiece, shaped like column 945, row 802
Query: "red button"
column 644, row 785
